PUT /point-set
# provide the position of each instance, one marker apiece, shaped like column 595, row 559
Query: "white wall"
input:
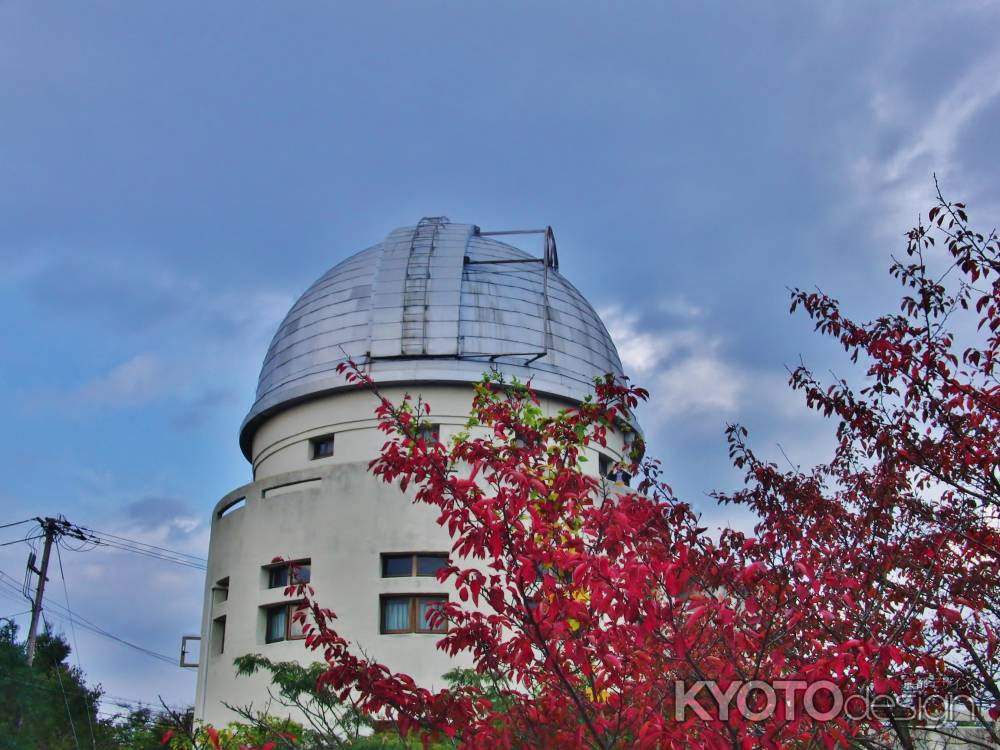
column 343, row 522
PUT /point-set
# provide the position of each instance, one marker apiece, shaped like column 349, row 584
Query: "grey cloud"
column 154, row 511
column 197, row 412
column 121, row 298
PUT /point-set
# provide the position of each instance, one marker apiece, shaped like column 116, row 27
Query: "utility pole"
column 50, row 525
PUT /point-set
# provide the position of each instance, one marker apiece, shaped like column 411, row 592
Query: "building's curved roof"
column 438, row 302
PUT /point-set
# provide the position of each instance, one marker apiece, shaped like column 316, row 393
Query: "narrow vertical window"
column 277, row 622
column 396, row 614
column 219, row 634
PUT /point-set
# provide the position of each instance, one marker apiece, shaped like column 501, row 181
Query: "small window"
column 430, row 433
column 280, row 625
column 394, row 566
column 277, row 577
column 219, row 634
column 413, row 564
column 603, row 465
column 288, row 573
column 220, row 591
column 412, row 614
column 429, row 565
column 321, row 447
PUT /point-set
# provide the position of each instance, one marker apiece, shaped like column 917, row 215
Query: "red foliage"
column 593, row 611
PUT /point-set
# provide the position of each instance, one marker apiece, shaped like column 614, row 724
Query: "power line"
column 83, row 622
column 69, row 714
column 76, row 646
column 112, row 544
column 116, row 700
column 24, row 539
column 146, row 544
column 115, row 541
column 16, row 523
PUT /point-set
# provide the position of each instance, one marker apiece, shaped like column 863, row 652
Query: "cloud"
column 701, row 383
column 679, row 307
column 203, row 336
column 690, row 375
column 132, row 383
column 196, row 412
column 641, row 351
column 684, row 369
column 899, row 178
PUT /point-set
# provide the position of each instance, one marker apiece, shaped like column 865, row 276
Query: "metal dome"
column 438, row 302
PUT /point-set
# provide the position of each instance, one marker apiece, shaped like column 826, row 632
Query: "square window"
column 397, row 566
column 280, row 624
column 429, row 565
column 321, row 447
column 300, row 572
column 430, row 433
column 288, row 573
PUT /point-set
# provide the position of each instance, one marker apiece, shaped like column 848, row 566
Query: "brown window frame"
column 319, row 440
column 414, row 613
column 413, row 563
column 291, row 565
column 290, row 610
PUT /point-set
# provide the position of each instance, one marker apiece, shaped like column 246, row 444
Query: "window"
column 429, row 433
column 279, row 623
column 411, row 613
column 288, row 573
column 219, row 634
column 220, row 591
column 321, row 447
column 413, row 564
column 603, row 465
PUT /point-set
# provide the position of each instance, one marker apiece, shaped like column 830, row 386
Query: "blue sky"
column 173, row 175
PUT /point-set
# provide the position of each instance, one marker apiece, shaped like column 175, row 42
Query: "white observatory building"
column 427, row 310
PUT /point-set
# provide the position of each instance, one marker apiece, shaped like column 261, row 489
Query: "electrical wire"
column 148, row 553
column 17, row 523
column 145, row 544
column 76, row 646
column 69, row 714
column 18, row 541
column 153, row 551
column 117, row 700
column 59, row 612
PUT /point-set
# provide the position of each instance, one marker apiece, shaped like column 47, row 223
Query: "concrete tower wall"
column 333, row 512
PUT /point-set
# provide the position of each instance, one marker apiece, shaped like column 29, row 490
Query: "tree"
column 607, row 619
column 47, row 705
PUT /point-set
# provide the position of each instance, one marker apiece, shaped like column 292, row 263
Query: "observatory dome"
column 438, row 302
